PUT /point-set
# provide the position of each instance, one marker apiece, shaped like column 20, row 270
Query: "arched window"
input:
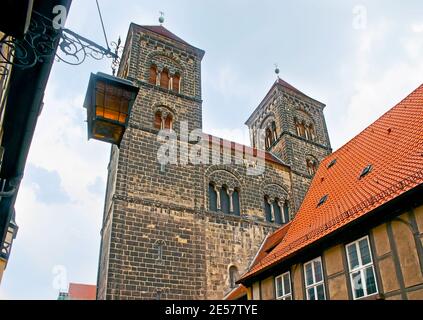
column 176, row 82
column 224, row 199
column 233, row 276
column 153, row 75
column 158, row 120
column 267, row 209
column 235, row 202
column 212, row 198
column 297, row 127
column 268, row 138
column 164, row 79
column 168, row 122
column 311, row 166
column 302, row 129
column 311, row 130
column 277, row 212
column 286, row 212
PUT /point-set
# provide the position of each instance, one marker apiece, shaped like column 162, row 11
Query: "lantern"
column 108, row 102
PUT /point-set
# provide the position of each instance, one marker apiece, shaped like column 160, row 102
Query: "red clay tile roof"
column 393, row 145
column 236, row 293
column 164, row 32
column 284, row 84
column 246, row 149
column 79, row 291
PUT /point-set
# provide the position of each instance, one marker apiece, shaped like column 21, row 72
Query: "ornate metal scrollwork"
column 118, row 54
column 40, row 42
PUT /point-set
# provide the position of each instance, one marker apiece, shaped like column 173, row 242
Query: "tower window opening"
column 164, row 79
column 153, row 75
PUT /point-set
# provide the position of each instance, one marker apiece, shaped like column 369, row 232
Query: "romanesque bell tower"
column 151, row 246
column 292, row 126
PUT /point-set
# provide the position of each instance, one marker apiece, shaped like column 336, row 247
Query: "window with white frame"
column 283, row 287
column 314, row 282
column 362, row 272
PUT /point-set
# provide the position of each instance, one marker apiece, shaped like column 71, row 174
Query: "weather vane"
column 277, row 70
column 161, row 18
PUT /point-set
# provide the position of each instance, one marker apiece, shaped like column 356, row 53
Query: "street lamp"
column 12, row 230
column 108, row 102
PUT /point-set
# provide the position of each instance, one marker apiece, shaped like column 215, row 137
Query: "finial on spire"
column 161, row 18
column 277, row 70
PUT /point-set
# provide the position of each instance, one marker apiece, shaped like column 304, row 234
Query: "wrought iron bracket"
column 40, row 42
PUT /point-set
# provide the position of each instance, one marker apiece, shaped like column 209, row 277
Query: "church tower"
column 292, row 126
column 151, row 247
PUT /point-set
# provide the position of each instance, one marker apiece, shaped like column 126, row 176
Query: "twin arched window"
column 164, row 79
column 163, row 122
column 305, row 130
column 276, row 212
column 223, row 199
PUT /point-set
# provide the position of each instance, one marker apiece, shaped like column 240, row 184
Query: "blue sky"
column 358, row 57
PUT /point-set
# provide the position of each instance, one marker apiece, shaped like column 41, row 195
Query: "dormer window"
column 365, row 171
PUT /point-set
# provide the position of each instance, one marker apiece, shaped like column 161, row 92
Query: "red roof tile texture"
column 392, row 145
column 164, row 32
column 237, row 293
column 79, row 291
column 284, row 84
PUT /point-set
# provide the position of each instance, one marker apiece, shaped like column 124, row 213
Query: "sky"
column 359, row 58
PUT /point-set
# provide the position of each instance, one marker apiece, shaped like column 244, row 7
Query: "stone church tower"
column 295, row 131
column 187, row 231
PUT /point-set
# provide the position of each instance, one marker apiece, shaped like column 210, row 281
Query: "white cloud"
column 376, row 90
column 417, row 28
